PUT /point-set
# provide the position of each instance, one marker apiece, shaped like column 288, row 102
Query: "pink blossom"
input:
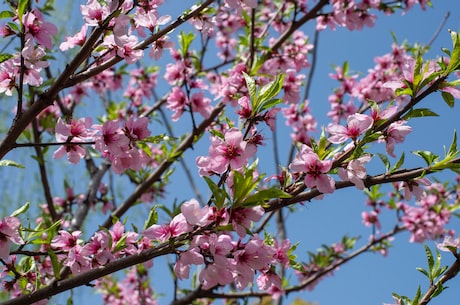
column 110, row 138
column 308, row 162
column 9, row 232
column 378, row 114
column 74, row 153
column 93, row 12
column 8, row 73
column 75, row 129
column 217, row 273
column 73, row 132
column 371, row 219
column 33, row 56
column 449, row 242
column 129, row 239
column 357, row 124
column 77, row 260
column 412, row 188
column 231, row 151
column 156, row 51
column 162, row 233
column 187, row 258
column 65, row 240
column 282, row 252
column 98, row 248
column 78, row 39
column 39, row 29
column 125, row 47
column 242, row 218
column 355, row 171
column 238, row 4
column 395, row 133
column 137, row 130
column 176, row 101
column 267, row 280
column 148, row 19
column 201, row 104
column 195, row 215
column 254, row 256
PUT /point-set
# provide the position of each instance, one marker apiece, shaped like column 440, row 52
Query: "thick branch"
column 85, row 278
column 200, row 293
column 401, row 175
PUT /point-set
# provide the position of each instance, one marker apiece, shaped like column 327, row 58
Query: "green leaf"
column 455, row 58
column 157, row 139
column 418, row 113
column 428, row 156
column 184, row 41
column 270, row 103
column 7, row 14
column 152, row 219
column 251, row 84
column 430, row 259
column 417, row 297
column 22, row 5
column 121, row 244
column 453, row 146
column 398, row 164
column 423, row 271
column 261, row 196
column 437, row 291
column 385, row 161
column 219, row 195
column 243, row 185
column 55, row 264
column 21, row 210
column 448, row 99
column 10, row 163
column 270, row 90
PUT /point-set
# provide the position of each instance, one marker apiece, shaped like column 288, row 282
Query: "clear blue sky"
column 371, row 278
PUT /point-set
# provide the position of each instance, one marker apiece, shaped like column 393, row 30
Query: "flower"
column 357, row 124
column 395, row 133
column 231, row 151
column 9, row 233
column 162, row 233
column 315, row 170
column 355, row 171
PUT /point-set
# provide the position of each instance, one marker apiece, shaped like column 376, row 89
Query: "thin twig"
column 43, row 173
column 438, row 30
column 181, row 160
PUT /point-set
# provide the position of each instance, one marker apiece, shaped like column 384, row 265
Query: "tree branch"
column 401, row 175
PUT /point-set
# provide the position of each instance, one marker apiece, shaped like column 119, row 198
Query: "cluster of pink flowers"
column 302, row 122
column 116, row 143
column 374, row 86
column 425, row 221
column 33, row 54
column 103, row 247
column 226, row 260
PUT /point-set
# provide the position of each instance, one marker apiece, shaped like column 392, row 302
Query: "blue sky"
column 371, row 278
